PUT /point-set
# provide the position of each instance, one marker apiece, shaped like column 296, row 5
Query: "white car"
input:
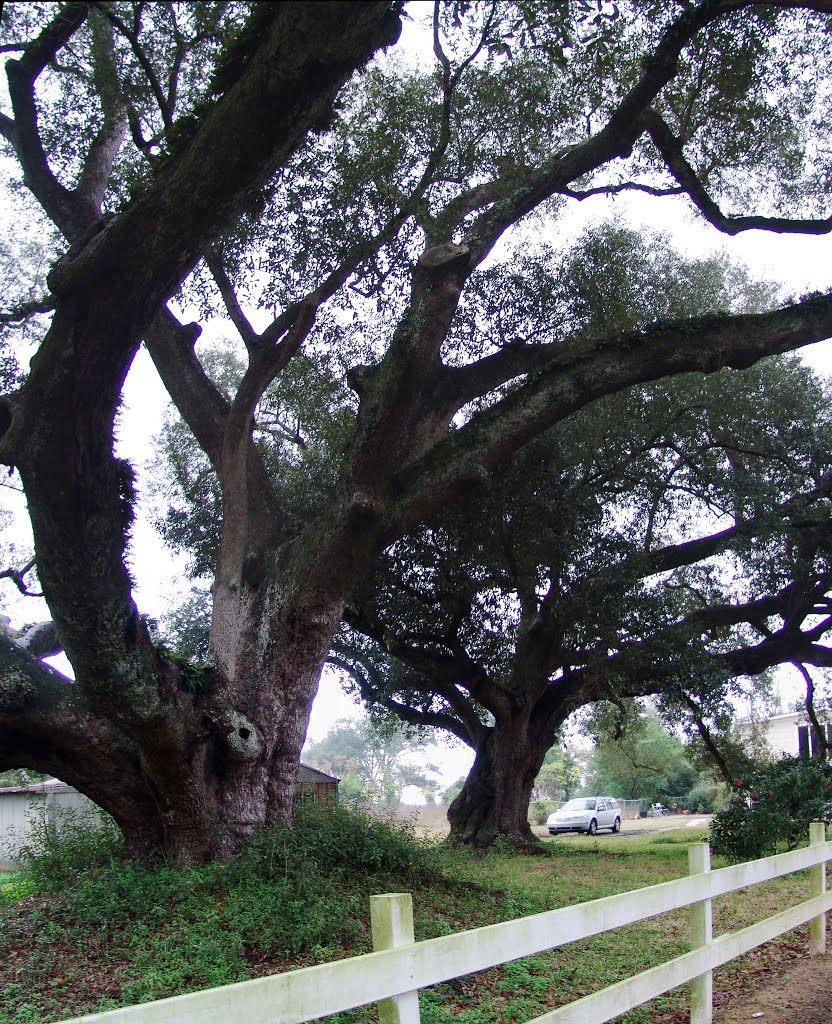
column 586, row 814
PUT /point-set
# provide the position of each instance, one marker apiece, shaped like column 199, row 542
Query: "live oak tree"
column 611, row 279
column 663, row 543
column 237, row 156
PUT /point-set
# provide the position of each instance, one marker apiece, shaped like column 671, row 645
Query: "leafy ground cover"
column 83, row 930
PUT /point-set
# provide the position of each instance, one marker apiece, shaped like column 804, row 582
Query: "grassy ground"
column 85, row 931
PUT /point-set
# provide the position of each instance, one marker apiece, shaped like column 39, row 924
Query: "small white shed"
column 19, row 803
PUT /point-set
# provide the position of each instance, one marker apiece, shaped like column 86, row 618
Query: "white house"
column 790, row 734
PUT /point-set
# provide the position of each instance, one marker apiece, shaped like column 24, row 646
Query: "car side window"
column 602, row 805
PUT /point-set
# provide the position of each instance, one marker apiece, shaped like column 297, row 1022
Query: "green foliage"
column 559, row 775
column 375, row 755
column 352, row 791
column 14, row 886
column 185, row 629
column 64, row 846
column 635, row 757
column 773, row 805
column 704, row 798
column 539, row 810
column 127, row 932
column 453, row 791
column 20, row 777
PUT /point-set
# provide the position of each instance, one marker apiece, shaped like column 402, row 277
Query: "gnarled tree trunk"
column 495, row 798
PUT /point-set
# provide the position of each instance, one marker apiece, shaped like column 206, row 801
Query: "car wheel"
column 616, row 825
column 593, row 828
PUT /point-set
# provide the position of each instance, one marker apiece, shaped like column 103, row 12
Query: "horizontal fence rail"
column 393, row 974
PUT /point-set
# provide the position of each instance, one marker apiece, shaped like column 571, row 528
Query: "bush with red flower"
column 772, row 807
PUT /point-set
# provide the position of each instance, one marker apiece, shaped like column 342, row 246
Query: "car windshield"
column 585, row 804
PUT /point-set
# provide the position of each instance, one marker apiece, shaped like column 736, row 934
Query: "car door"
column 602, row 814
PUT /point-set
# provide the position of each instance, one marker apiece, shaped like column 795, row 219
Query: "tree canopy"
column 375, row 761
column 272, row 166
column 640, row 762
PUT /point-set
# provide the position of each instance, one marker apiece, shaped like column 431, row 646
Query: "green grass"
column 14, row 887
column 83, row 930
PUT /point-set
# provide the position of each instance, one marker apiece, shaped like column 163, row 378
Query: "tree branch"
column 98, row 165
column 45, row 726
column 818, row 729
column 144, row 63
column 27, row 309
column 672, row 153
column 22, row 74
column 572, row 380
column 18, row 577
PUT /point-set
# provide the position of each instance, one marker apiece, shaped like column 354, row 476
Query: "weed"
column 64, row 845
column 14, row 886
column 124, row 932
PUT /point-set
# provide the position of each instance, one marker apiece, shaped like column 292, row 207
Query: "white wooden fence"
column 393, row 974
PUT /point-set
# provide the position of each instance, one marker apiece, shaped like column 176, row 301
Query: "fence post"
column 391, row 917
column 817, row 886
column 701, row 933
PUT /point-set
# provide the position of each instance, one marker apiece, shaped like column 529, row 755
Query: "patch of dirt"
column 802, row 995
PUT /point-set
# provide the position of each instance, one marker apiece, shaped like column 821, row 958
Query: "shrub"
column 773, row 804
column 331, row 838
column 539, row 811
column 64, row 845
column 703, row 799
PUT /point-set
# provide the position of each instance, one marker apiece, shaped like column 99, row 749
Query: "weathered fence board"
column 394, row 975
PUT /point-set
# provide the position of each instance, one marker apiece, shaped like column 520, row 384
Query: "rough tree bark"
column 204, row 775
column 206, row 755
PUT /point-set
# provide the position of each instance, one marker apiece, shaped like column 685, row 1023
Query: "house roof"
column 307, row 774
column 47, row 786
column 800, row 717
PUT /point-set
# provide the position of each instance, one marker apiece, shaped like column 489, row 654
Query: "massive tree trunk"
column 495, row 798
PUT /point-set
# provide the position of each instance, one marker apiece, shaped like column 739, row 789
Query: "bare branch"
column 18, row 577
column 818, row 729
column 226, row 289
column 626, row 186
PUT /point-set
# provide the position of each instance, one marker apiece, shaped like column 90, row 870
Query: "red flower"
column 771, row 792
column 826, row 785
column 739, row 782
column 753, row 796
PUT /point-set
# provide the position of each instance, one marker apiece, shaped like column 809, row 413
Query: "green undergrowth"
column 82, row 929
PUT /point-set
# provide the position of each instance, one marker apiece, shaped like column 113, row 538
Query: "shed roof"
column 307, row 774
column 47, row 786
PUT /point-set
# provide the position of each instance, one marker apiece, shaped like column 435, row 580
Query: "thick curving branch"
column 572, row 381
column 45, row 726
column 22, row 74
